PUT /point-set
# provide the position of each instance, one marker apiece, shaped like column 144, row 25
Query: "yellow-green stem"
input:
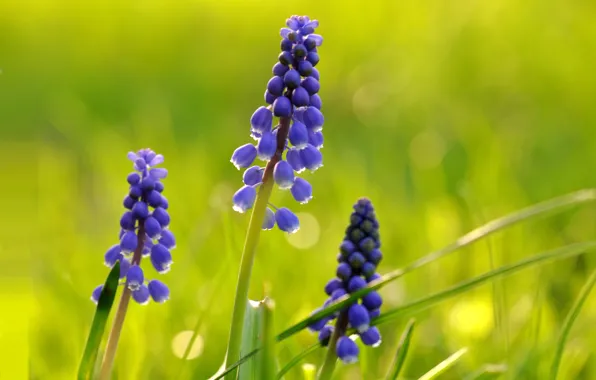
column 250, row 250
column 331, row 358
column 110, row 354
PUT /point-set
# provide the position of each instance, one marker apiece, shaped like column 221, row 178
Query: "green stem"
column 250, row 250
column 331, row 358
column 110, row 354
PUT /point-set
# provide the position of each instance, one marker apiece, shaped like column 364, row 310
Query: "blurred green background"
column 446, row 114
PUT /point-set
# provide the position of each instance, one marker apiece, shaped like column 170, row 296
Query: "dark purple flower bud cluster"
column 357, row 264
column 144, row 230
column 294, row 144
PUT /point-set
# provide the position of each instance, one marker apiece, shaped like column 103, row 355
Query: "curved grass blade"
column 540, row 209
column 402, row 351
column 487, row 371
column 444, row 365
column 100, row 319
column 433, row 299
column 233, row 367
column 297, row 359
column 569, row 320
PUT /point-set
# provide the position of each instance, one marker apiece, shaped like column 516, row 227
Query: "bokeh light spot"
column 472, row 319
column 427, row 150
column 181, row 341
column 308, row 234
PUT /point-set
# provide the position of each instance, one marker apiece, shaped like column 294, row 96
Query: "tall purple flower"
column 357, row 263
column 294, row 144
column 144, row 230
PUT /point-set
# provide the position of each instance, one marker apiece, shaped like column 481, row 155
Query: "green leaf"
column 433, row 299
column 444, row 365
column 297, row 359
column 402, row 351
column 540, row 209
column 253, row 320
column 488, row 371
column 266, row 356
column 98, row 326
column 569, row 320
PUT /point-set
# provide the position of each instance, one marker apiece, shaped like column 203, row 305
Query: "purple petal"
column 158, row 173
column 156, row 160
column 284, row 32
column 318, row 39
column 132, row 156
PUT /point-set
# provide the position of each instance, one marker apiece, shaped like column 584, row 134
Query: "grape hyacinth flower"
column 294, row 144
column 288, row 139
column 144, row 230
column 359, row 255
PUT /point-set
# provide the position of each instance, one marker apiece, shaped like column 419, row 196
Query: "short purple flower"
column 143, row 226
column 269, row 221
column 292, row 96
column 96, row 293
column 354, row 272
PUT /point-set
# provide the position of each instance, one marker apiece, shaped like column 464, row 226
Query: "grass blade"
column 253, row 319
column 98, row 326
column 444, row 365
column 559, row 253
column 402, row 351
column 488, row 371
column 540, row 209
column 297, row 359
column 266, row 357
column 569, row 320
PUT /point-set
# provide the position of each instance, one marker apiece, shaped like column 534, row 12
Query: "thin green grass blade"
column 569, row 320
column 297, row 359
column 488, row 371
column 433, row 299
column 402, row 351
column 444, row 365
column 265, row 360
column 540, row 209
column 98, row 326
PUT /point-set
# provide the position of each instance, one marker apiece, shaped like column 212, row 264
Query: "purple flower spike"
column 293, row 143
column 146, row 219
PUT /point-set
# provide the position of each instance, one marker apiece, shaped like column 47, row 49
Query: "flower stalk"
column 250, row 249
